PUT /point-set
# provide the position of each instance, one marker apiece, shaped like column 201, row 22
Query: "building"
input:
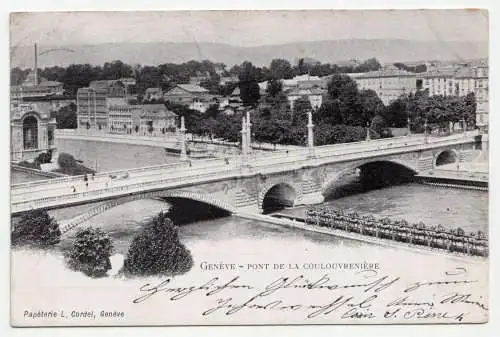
column 91, row 104
column 34, row 86
column 45, row 88
column 465, row 81
column 313, row 95
column 439, row 81
column 200, row 77
column 304, row 82
column 228, row 79
column 144, row 119
column 153, row 94
column 481, row 92
column 389, row 84
column 156, row 119
column 32, row 131
column 55, row 102
column 192, row 96
column 91, row 108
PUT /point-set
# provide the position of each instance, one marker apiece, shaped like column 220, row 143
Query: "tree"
column 116, row 70
column 274, row 87
column 249, row 87
column 280, row 69
column 343, row 88
column 35, row 228
column 367, row 105
column 158, row 250
column 212, row 111
column 90, row 252
column 379, row 127
column 18, row 75
column 66, row 117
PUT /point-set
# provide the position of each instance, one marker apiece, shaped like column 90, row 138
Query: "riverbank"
column 471, row 178
column 357, row 237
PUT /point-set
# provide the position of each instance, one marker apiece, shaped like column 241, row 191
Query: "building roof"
column 152, row 110
column 465, row 73
column 236, row 92
column 193, row 88
column 383, row 73
column 306, row 92
column 440, row 72
column 154, row 90
column 46, row 83
column 306, row 77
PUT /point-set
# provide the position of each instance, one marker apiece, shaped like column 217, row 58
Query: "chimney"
column 35, row 69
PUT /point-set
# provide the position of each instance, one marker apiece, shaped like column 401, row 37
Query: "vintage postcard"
column 249, row 167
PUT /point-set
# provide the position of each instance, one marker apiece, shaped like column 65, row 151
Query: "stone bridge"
column 297, row 177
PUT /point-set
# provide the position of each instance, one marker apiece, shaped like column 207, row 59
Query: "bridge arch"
column 69, row 224
column 356, row 168
column 447, row 156
column 290, row 193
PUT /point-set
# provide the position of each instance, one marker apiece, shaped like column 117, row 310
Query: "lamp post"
column 310, row 134
column 182, row 130
column 244, row 139
column 425, row 131
column 249, row 133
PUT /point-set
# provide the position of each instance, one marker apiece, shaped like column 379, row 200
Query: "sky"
column 246, row 28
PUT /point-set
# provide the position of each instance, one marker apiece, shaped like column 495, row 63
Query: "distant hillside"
column 323, row 51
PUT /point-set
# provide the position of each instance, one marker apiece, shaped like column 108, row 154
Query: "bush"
column 45, row 157
column 66, row 160
column 90, row 252
column 157, row 250
column 68, row 165
column 36, row 228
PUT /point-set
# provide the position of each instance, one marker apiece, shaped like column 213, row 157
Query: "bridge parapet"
column 57, row 192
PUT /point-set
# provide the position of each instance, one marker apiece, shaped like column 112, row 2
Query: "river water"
column 114, row 156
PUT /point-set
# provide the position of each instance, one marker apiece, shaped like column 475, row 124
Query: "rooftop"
column 465, row 73
column 383, row 73
column 192, row 88
column 306, row 92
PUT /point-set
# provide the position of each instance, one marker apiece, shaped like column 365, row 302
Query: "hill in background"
column 386, row 50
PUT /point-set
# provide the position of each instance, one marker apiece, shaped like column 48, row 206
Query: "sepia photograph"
column 249, row 167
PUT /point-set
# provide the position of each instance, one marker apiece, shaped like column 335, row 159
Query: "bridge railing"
column 67, row 182
column 26, row 204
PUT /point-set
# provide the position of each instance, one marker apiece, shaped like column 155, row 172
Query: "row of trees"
column 155, row 250
column 167, row 75
column 343, row 116
column 438, row 111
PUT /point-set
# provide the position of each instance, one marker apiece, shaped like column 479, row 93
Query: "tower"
column 35, row 68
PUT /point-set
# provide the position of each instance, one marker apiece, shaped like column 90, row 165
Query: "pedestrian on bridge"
column 73, row 188
column 86, row 180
